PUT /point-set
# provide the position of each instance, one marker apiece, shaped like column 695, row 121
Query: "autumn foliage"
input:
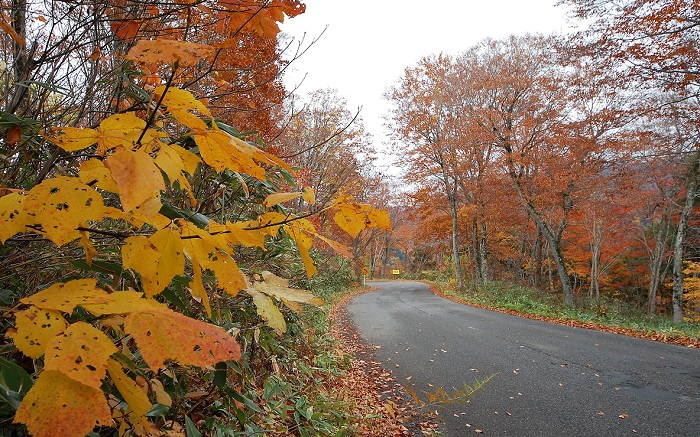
column 127, row 185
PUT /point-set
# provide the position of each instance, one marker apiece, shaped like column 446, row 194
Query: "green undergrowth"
column 607, row 311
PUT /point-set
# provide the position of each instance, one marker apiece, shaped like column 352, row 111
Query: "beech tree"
column 656, row 42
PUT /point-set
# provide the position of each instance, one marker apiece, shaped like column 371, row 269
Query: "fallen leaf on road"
column 623, row 416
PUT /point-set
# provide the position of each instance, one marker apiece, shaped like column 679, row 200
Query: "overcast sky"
column 368, row 43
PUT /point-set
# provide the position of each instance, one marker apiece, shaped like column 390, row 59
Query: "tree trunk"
column 677, row 297
column 455, row 240
column 483, row 255
column 656, row 261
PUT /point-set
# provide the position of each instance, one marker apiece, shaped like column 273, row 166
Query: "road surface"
column 548, row 379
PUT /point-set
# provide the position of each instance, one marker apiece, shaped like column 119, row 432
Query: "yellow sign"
column 365, row 271
column 395, row 272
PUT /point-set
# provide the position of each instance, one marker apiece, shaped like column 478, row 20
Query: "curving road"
column 549, row 380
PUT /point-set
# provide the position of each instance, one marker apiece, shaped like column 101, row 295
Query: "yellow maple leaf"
column 119, row 130
column 88, row 247
column 94, row 171
column 338, row 247
column 133, row 395
column 123, row 302
column 277, row 198
column 278, row 288
column 197, row 287
column 269, row 312
column 221, row 151
column 71, row 139
column 136, row 175
column 13, row 217
column 35, row 328
column 190, row 161
column 309, row 195
column 81, row 353
column 57, row 405
column 61, row 205
column 228, row 276
column 162, row 334
column 240, row 234
column 179, row 103
column 161, row 51
column 158, row 259
column 302, row 232
column 65, row 296
column 353, row 218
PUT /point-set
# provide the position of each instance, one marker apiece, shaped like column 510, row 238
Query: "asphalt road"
column 548, row 380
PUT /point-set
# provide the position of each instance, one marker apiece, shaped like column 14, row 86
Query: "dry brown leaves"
column 381, row 405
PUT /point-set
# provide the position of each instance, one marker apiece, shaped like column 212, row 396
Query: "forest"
column 175, row 220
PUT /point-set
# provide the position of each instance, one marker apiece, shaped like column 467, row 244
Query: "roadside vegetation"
column 606, row 313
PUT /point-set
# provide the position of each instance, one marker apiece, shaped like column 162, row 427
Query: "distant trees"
column 573, row 156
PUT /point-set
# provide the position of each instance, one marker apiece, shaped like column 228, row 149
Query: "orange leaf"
column 164, row 51
column 136, row 175
column 81, row 353
column 14, row 136
column 59, row 406
column 125, row 30
column 162, row 334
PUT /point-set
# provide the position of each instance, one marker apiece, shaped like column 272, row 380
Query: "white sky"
column 369, row 43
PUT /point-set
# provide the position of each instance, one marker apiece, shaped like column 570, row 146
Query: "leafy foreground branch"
column 160, row 330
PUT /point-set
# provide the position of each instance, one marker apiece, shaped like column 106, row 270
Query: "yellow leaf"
column 71, row 139
column 88, row 247
column 309, row 195
column 122, row 302
column 136, row 175
column 61, row 205
column 35, row 328
column 270, row 222
column 338, row 247
column 81, row 353
column 267, row 309
column 68, row 295
column 353, row 218
column 221, row 151
column 302, row 232
column 189, row 159
column 249, row 238
column 13, row 217
column 228, row 276
column 277, row 198
column 197, row 287
column 94, row 171
column 56, row 405
column 179, row 103
column 172, row 260
column 162, row 51
column 162, row 334
column 130, row 391
column 148, row 212
column 279, row 288
column 198, row 243
column 162, row 396
column 157, row 259
column 119, row 130
column 168, row 160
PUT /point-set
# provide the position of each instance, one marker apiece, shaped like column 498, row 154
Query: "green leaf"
column 220, row 374
column 242, row 399
column 14, row 384
column 158, row 410
column 191, row 429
